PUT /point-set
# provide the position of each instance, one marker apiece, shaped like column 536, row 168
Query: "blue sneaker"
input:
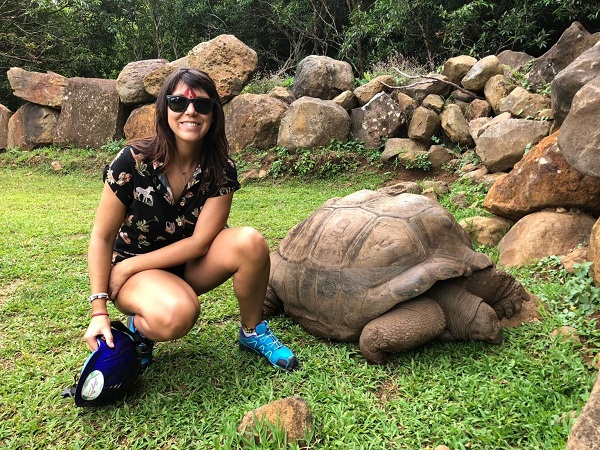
column 264, row 342
column 146, row 345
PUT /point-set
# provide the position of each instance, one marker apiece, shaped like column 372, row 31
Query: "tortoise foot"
column 498, row 289
column 407, row 326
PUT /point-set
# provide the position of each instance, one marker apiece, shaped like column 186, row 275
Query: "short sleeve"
column 231, row 180
column 119, row 175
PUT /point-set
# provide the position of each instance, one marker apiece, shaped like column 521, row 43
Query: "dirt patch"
column 530, row 312
column 387, row 392
column 6, row 291
column 402, row 174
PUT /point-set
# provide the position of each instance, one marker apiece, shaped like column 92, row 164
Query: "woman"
column 160, row 238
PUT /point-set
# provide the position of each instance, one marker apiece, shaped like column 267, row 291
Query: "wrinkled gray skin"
column 390, row 271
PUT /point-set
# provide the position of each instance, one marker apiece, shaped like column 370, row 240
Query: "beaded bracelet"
column 93, row 297
column 100, row 314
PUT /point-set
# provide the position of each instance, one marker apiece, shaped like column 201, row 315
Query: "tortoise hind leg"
column 272, row 305
column 498, row 289
column 405, row 327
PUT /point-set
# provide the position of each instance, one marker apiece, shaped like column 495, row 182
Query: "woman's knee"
column 252, row 243
column 174, row 318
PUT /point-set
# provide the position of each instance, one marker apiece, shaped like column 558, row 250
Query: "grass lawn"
column 520, row 394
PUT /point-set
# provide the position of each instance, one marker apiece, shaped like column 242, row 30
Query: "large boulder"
column 424, row 124
column 514, row 60
column 476, row 109
column 322, row 77
column 154, row 80
column 46, row 89
column 228, row 61
column 5, row 115
column 282, row 93
column 503, row 145
column 496, row 89
column 542, row 234
column 398, row 147
column 478, row 126
column 543, row 179
column 433, row 83
column 481, row 72
column 579, row 139
column 407, row 104
column 455, row 126
column 486, row 231
column 130, row 82
column 312, row 122
column 141, row 123
column 572, row 43
column 456, row 68
column 572, row 78
column 522, row 103
column 380, row 118
column 367, row 91
column 585, row 434
column 92, row 113
column 253, row 120
column 594, row 252
column 32, row 126
column 346, row 100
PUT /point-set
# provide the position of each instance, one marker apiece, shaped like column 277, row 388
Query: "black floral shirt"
column 154, row 218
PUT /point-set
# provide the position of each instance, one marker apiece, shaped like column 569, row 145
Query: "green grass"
column 519, row 394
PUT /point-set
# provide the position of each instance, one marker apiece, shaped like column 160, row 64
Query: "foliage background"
column 97, row 38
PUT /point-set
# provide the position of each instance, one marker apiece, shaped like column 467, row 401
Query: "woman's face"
column 189, row 126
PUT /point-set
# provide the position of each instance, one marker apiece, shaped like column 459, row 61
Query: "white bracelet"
column 93, row 297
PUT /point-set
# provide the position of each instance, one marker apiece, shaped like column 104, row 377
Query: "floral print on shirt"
column 154, row 218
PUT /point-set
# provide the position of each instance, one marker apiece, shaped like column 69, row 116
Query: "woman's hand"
column 99, row 328
column 119, row 274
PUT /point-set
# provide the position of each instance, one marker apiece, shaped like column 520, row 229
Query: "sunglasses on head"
column 180, row 103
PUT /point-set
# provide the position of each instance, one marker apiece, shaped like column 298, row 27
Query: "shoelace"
column 274, row 341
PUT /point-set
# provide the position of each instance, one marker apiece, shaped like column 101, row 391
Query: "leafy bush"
column 264, row 83
column 582, row 298
column 324, row 162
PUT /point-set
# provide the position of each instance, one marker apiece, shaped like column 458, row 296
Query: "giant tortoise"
column 390, row 271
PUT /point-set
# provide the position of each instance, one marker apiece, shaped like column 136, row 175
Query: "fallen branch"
column 428, row 77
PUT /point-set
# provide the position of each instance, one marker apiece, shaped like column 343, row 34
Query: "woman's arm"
column 212, row 219
column 109, row 217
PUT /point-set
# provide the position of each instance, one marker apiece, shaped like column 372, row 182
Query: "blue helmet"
column 109, row 373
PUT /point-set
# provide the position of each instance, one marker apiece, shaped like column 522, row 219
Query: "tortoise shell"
column 357, row 257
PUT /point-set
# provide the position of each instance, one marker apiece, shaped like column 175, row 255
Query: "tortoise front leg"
column 405, row 327
column 467, row 315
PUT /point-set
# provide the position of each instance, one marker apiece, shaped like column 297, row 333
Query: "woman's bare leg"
column 165, row 306
column 244, row 254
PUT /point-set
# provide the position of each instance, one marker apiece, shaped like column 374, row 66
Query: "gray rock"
column 381, row 117
column 572, row 78
column 92, row 113
column 130, row 82
column 503, row 145
column 253, row 120
column 322, row 77
column 579, row 138
column 312, row 122
column 32, row 126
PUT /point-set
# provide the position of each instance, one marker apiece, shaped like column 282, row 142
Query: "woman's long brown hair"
column 215, row 148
